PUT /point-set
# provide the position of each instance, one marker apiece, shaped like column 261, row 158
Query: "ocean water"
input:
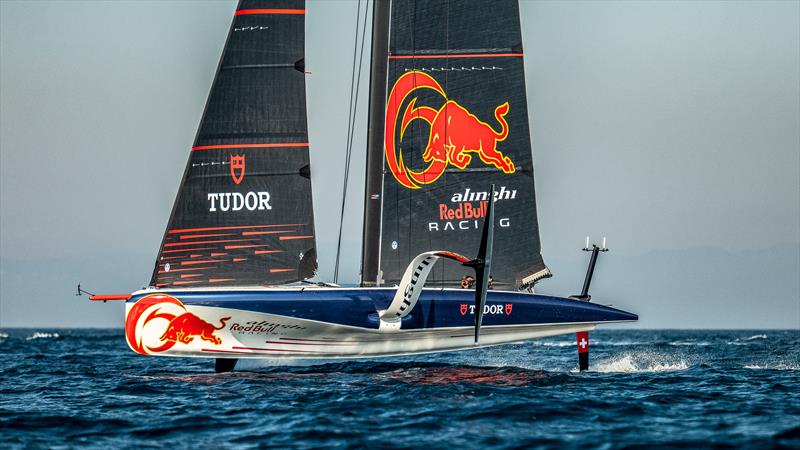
column 646, row 389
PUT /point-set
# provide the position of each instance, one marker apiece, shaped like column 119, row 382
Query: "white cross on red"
column 582, row 344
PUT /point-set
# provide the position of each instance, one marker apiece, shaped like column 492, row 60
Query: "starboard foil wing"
column 243, row 213
column 454, row 121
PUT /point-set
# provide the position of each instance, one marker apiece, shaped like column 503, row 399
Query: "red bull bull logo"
column 456, row 135
column 185, row 327
column 179, row 325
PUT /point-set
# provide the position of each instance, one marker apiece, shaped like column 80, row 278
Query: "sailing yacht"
column 449, row 174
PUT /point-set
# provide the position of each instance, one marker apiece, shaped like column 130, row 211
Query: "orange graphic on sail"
column 455, row 135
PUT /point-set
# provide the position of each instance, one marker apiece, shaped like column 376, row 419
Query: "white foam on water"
column 757, row 336
column 3, row 335
column 39, row 335
column 554, row 344
column 746, row 341
column 772, row 367
column 639, row 363
column 690, row 343
column 591, row 342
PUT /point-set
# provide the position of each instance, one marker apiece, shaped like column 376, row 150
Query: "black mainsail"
column 243, row 214
column 455, row 120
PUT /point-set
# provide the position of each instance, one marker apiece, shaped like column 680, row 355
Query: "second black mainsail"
column 455, row 122
column 243, row 215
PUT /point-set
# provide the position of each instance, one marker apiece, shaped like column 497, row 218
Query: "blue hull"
column 436, row 308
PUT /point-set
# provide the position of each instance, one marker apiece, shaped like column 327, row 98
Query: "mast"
column 374, row 179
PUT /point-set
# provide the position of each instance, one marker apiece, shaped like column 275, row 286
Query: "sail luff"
column 374, row 167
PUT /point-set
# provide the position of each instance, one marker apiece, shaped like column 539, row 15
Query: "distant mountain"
column 693, row 288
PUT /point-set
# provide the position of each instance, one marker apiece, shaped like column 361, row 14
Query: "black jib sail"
column 455, row 121
column 243, row 215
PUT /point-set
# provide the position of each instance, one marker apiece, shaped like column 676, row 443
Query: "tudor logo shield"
column 509, row 307
column 237, row 168
column 464, row 308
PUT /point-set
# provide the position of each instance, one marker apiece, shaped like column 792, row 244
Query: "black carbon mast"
column 374, row 179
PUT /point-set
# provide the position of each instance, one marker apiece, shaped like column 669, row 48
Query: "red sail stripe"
column 213, row 254
column 220, row 280
column 177, row 244
column 195, row 236
column 226, row 146
column 457, row 55
column 191, row 230
column 177, row 283
column 263, row 252
column 183, row 250
column 289, row 238
column 191, row 275
column 195, row 255
column 239, row 259
column 186, row 270
column 233, row 247
column 243, row 12
column 280, row 270
column 206, row 261
column 255, row 233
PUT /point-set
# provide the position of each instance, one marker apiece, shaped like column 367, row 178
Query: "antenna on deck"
column 584, row 295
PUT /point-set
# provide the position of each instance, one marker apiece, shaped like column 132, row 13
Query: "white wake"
column 40, row 335
column 639, row 362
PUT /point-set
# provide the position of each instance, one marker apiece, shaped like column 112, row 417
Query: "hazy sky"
column 670, row 127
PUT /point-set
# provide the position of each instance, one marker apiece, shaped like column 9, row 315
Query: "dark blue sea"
column 647, row 389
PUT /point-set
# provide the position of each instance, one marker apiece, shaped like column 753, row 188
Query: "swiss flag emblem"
column 464, row 308
column 583, row 341
column 237, row 168
column 509, row 307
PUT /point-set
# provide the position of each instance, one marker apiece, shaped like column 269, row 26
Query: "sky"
column 671, row 128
